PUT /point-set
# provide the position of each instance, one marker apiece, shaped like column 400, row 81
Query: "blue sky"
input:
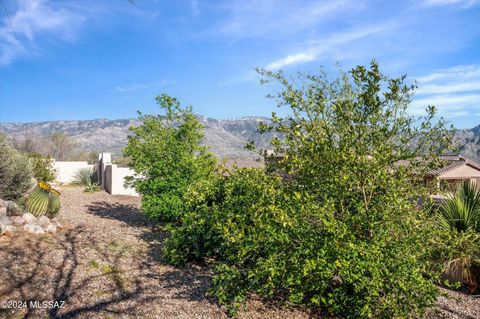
column 65, row 59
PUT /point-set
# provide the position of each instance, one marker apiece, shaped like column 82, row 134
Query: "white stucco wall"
column 65, row 171
column 116, row 186
column 112, row 177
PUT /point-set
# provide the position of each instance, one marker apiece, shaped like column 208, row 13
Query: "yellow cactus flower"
column 55, row 192
column 45, row 186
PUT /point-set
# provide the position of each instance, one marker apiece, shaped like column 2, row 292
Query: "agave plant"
column 91, row 187
column 462, row 211
column 83, row 176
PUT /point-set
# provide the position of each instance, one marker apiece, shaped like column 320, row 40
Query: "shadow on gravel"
column 132, row 216
column 190, row 283
column 127, row 213
column 55, row 269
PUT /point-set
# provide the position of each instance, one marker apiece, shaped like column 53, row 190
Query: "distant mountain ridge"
column 227, row 137
column 468, row 142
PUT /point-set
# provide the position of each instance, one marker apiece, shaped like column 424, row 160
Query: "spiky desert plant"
column 83, row 176
column 91, row 187
column 38, row 201
column 54, row 203
column 462, row 211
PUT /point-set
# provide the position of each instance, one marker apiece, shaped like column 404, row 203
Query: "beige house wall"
column 464, row 172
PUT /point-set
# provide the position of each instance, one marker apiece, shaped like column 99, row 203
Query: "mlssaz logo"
column 48, row 304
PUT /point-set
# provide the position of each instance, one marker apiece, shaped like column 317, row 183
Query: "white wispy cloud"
column 463, row 72
column 133, row 87
column 316, row 48
column 449, row 88
column 464, row 3
column 259, row 18
column 454, row 91
column 447, row 103
column 301, row 57
column 19, row 33
column 249, row 76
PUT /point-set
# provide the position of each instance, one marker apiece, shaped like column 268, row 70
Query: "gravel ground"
column 456, row 305
column 107, row 263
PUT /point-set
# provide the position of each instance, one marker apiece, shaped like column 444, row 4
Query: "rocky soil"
column 106, row 262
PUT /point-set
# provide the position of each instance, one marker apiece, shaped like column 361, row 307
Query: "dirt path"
column 106, row 263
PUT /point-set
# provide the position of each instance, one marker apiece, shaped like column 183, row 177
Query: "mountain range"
column 226, row 138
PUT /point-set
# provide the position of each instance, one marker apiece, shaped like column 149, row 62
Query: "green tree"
column 343, row 144
column 166, row 155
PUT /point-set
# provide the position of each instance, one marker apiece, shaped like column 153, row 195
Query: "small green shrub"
column 88, row 179
column 15, row 171
column 42, row 167
column 275, row 241
column 459, row 244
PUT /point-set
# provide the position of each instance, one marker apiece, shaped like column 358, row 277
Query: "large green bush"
column 166, row 155
column 15, row 171
column 337, row 226
column 275, row 241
